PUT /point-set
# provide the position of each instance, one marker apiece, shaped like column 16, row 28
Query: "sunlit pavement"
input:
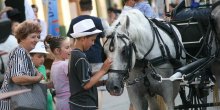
column 122, row 102
column 113, row 102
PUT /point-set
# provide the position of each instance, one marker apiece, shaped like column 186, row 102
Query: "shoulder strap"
column 29, row 63
column 3, row 66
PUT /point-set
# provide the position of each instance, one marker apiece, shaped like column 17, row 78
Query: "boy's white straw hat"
column 84, row 28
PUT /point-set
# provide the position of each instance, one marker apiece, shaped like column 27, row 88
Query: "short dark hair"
column 124, row 1
column 85, row 5
column 34, row 6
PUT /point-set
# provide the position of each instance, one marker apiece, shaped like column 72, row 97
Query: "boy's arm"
column 95, row 78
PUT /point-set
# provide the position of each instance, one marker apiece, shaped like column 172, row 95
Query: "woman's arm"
column 26, row 80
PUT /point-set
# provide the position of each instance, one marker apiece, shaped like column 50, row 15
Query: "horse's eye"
column 124, row 51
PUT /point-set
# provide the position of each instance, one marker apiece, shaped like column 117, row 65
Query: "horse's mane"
column 137, row 25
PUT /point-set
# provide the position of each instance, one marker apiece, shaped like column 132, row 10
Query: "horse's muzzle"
column 115, row 88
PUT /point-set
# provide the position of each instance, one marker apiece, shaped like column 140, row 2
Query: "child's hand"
column 39, row 76
column 106, row 65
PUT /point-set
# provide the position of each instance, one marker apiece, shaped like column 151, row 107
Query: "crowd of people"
column 79, row 63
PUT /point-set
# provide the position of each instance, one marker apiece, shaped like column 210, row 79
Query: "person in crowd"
column 115, row 7
column 24, row 7
column 145, row 8
column 128, row 5
column 112, row 15
column 43, row 33
column 4, row 10
column 60, row 47
column 83, row 82
column 95, row 55
column 19, row 71
column 7, row 45
column 38, row 55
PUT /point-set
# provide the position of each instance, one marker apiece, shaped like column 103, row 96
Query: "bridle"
column 128, row 51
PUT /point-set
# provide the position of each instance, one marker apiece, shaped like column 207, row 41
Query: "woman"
column 18, row 71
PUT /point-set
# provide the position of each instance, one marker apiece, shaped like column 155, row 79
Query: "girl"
column 60, row 47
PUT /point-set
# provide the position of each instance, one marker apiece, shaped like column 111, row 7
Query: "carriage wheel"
column 194, row 95
column 193, row 98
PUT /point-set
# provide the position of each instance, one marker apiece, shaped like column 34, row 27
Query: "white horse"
column 131, row 38
column 216, row 19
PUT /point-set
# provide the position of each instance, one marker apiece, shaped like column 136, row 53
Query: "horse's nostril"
column 116, row 88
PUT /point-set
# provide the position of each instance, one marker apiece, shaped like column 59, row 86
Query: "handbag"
column 34, row 100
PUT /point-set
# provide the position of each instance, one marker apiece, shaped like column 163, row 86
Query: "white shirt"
column 126, row 8
column 43, row 33
column 29, row 12
column 8, row 46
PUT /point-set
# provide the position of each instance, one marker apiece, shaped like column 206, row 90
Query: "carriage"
column 197, row 27
column 132, row 63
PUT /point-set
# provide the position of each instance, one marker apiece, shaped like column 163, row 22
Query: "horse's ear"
column 126, row 24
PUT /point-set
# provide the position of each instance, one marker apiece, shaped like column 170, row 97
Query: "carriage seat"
column 5, row 27
column 198, row 14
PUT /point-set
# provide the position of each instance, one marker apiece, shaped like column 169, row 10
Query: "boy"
column 83, row 91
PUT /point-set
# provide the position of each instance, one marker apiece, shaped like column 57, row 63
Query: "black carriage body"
column 193, row 25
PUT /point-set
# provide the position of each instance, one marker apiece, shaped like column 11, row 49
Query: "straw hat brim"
column 39, row 52
column 83, row 34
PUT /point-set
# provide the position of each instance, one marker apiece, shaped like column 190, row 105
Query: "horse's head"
column 121, row 49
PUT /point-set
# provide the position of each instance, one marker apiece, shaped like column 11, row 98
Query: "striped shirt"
column 17, row 66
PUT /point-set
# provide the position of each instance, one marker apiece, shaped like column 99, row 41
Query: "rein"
column 129, row 47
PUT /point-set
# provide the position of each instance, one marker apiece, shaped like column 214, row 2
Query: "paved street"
column 114, row 102
column 122, row 102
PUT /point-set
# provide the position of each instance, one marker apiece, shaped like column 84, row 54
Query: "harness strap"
column 153, row 39
column 159, row 41
column 176, row 43
column 215, row 5
column 158, row 61
column 164, row 49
